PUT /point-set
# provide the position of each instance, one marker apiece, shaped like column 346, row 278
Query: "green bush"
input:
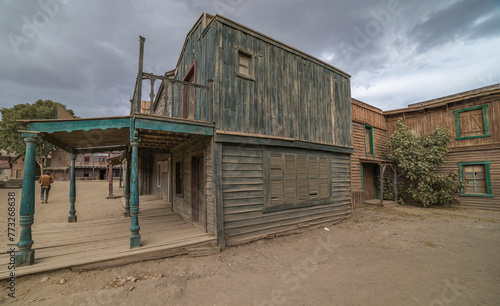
column 418, row 158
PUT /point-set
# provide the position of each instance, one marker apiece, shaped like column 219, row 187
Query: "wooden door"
column 198, row 203
column 369, row 181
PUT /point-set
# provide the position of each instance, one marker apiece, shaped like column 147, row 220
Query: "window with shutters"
column 369, row 145
column 244, row 66
column 297, row 180
column 472, row 122
column 475, row 178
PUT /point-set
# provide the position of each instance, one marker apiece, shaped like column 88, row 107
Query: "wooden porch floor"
column 104, row 243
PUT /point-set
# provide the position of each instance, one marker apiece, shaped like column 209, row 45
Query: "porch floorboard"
column 105, row 243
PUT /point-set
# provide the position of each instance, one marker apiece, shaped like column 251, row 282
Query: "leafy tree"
column 419, row 157
column 12, row 141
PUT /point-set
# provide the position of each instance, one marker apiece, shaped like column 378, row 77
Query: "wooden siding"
column 243, row 197
column 287, row 96
column 424, row 121
column 182, row 204
column 367, row 114
column 451, row 165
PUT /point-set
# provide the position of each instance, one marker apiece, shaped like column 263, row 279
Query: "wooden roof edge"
column 72, row 119
column 278, row 43
column 366, row 105
column 433, row 103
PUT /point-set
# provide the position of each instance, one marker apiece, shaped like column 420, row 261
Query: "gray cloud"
column 85, row 53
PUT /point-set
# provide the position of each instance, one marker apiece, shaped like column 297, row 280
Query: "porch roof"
column 84, row 135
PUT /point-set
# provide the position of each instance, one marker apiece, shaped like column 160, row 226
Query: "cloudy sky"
column 84, row 53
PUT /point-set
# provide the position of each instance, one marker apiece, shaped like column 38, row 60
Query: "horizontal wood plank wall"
column 425, row 121
column 363, row 113
column 243, row 198
column 182, row 205
column 451, row 165
column 287, row 95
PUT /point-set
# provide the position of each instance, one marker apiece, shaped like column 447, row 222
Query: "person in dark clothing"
column 45, row 182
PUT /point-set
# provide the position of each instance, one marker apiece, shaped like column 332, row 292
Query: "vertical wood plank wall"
column 182, row 205
column 243, row 197
column 287, row 96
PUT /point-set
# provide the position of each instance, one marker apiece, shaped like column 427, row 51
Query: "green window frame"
column 296, row 178
column 487, row 179
column 486, row 127
column 369, row 145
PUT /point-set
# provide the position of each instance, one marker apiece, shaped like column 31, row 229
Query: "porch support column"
column 382, row 169
column 126, row 213
column 26, row 256
column 110, row 179
column 135, row 237
column 394, row 168
column 72, row 190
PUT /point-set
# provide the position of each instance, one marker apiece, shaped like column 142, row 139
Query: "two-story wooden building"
column 472, row 118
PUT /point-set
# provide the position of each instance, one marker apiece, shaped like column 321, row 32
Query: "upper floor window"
column 244, row 68
column 475, row 178
column 369, row 145
column 472, row 122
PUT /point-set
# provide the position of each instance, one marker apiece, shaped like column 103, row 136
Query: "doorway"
column 198, row 203
column 369, row 176
column 102, row 174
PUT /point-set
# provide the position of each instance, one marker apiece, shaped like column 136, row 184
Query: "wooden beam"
column 281, row 143
column 187, row 128
column 79, row 125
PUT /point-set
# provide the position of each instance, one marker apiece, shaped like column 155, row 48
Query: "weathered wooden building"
column 472, row 118
column 247, row 138
column 369, row 128
column 279, row 157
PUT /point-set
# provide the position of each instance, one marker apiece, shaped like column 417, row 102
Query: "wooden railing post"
column 26, row 256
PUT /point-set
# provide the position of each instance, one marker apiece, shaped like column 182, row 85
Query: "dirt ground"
column 381, row 256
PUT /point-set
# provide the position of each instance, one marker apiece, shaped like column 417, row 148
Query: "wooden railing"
column 178, row 99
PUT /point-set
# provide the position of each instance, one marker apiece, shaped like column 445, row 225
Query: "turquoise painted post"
column 135, row 237
column 72, row 190
column 126, row 213
column 26, row 256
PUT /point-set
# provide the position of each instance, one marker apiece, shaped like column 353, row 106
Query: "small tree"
column 418, row 158
column 12, row 141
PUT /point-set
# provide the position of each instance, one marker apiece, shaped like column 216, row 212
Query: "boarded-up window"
column 298, row 179
column 475, row 178
column 244, row 62
column 178, row 178
column 369, row 146
column 472, row 122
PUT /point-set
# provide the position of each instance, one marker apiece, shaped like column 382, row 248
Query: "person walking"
column 45, row 182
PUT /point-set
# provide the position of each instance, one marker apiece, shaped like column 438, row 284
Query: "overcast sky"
column 84, row 53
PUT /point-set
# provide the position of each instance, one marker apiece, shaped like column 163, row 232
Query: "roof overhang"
column 93, row 135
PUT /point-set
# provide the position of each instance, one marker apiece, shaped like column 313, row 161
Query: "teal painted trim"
column 485, row 121
column 167, row 126
column 371, row 144
column 25, row 255
column 132, row 129
column 489, row 190
column 135, row 237
column 79, row 125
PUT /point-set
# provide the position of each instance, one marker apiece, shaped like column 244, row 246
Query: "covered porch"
column 77, row 136
column 104, row 242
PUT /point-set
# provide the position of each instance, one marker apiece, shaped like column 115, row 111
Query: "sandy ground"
column 381, row 256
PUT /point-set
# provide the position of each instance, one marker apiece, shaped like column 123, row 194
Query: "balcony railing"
column 175, row 98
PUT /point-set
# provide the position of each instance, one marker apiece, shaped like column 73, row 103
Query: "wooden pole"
column 395, row 184
column 72, row 190
column 382, row 168
column 26, row 256
column 110, row 177
column 135, row 237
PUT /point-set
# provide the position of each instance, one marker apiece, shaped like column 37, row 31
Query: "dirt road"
column 381, row 256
